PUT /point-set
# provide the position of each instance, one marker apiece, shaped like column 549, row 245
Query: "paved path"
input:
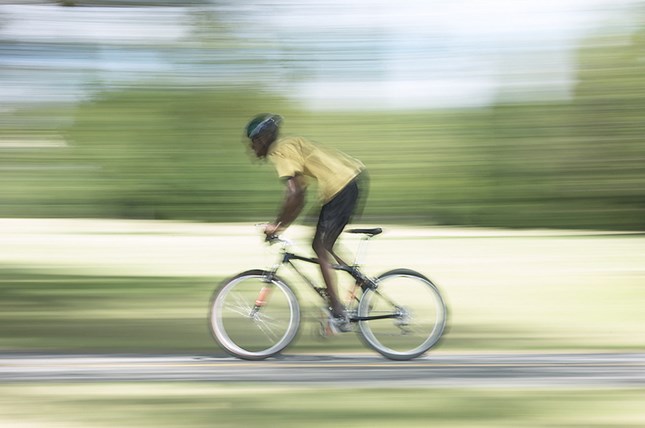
column 458, row 370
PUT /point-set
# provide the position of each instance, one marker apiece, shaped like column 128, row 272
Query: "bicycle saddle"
column 371, row 232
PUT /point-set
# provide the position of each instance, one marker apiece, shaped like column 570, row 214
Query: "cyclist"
column 297, row 161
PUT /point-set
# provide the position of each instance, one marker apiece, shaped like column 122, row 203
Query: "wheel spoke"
column 239, row 306
column 419, row 321
column 250, row 332
column 270, row 327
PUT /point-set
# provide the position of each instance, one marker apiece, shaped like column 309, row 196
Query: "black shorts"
column 335, row 215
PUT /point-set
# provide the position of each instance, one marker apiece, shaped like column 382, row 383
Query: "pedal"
column 322, row 330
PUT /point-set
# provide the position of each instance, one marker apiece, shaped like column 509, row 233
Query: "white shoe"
column 340, row 324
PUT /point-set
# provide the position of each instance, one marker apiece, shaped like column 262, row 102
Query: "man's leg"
column 329, row 276
column 334, row 216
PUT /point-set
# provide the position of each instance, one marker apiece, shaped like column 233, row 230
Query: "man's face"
column 260, row 144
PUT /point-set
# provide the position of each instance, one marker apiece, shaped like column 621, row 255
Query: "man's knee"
column 320, row 246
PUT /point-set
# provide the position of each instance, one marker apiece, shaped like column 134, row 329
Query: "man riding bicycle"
column 298, row 160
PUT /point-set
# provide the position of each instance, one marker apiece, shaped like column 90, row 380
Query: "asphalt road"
column 457, row 370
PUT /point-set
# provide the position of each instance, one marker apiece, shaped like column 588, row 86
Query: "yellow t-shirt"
column 332, row 169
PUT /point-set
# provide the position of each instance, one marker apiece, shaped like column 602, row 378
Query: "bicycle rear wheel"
column 409, row 315
column 250, row 329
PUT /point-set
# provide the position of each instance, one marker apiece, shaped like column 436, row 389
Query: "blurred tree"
column 579, row 164
column 173, row 153
column 609, row 112
column 172, row 150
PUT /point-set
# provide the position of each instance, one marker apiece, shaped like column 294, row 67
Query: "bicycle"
column 255, row 314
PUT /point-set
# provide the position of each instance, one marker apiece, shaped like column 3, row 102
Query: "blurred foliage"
column 170, row 152
column 174, row 153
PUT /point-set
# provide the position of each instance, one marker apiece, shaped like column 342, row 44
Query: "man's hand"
column 272, row 229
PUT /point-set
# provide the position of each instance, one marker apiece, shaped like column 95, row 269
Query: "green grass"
column 76, row 313
column 58, row 312
column 109, row 286
column 227, row 405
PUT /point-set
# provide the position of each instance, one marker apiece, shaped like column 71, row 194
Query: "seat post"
column 362, row 249
column 367, row 235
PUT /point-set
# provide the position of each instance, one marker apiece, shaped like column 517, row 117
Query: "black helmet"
column 262, row 123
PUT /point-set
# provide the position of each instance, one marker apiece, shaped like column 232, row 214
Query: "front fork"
column 263, row 295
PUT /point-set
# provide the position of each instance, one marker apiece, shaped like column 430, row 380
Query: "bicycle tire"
column 421, row 316
column 253, row 336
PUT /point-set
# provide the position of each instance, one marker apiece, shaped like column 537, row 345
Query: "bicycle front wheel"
column 403, row 317
column 252, row 317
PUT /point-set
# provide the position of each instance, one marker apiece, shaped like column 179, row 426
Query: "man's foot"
column 340, row 324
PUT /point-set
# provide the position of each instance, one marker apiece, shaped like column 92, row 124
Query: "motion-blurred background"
column 489, row 112
column 511, row 115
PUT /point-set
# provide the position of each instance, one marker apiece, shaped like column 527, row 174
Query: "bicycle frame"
column 257, row 313
column 360, row 280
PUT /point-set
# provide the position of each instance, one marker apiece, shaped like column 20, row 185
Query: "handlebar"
column 273, row 239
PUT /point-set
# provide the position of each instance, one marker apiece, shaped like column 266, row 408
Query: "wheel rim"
column 263, row 334
column 420, row 321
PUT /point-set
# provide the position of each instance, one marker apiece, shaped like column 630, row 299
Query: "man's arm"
column 294, row 201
